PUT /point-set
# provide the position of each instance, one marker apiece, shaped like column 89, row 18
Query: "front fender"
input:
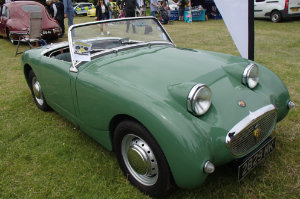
column 183, row 139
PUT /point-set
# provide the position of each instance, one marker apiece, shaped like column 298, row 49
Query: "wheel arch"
column 117, row 119
column 274, row 10
column 27, row 69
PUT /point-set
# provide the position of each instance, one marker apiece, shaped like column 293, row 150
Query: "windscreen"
column 90, row 38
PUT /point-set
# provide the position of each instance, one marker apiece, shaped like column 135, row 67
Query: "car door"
column 85, row 8
column 294, row 7
column 81, row 8
column 3, row 20
column 56, row 81
column 260, row 8
column 78, row 9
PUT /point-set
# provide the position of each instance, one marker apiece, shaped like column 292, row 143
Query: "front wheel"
column 276, row 16
column 142, row 160
column 37, row 94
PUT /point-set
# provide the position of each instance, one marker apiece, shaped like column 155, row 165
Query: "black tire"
column 276, row 16
column 37, row 93
column 154, row 178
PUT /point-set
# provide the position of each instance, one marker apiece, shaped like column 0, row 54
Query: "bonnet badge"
column 241, row 103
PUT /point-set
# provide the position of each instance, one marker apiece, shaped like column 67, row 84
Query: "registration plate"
column 45, row 32
column 255, row 159
column 294, row 9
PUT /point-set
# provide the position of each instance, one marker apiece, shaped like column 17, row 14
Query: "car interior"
column 60, row 54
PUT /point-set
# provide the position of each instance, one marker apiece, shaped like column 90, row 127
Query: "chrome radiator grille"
column 240, row 142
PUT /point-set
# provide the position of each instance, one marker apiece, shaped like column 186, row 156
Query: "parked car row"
column 15, row 16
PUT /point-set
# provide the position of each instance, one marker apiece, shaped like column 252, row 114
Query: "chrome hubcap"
column 139, row 159
column 275, row 17
column 37, row 91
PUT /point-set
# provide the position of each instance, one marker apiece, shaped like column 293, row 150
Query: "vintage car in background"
column 82, row 8
column 170, row 114
column 15, row 18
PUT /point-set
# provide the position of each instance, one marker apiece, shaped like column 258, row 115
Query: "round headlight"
column 250, row 76
column 199, row 99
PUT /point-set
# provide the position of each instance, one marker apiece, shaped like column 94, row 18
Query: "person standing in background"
column 154, row 7
column 110, row 8
column 141, row 4
column 102, row 14
column 51, row 8
column 181, row 5
column 68, row 11
column 130, row 6
column 59, row 15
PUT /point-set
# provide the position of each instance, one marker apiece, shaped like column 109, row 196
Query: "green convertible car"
column 170, row 114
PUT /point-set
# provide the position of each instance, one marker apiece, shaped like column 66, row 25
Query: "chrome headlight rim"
column 192, row 99
column 247, row 79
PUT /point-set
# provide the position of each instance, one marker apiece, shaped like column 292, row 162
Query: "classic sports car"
column 15, row 18
column 170, row 114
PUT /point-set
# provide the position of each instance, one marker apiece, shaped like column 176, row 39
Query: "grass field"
column 42, row 155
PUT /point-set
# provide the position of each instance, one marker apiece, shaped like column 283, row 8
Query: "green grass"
column 42, row 155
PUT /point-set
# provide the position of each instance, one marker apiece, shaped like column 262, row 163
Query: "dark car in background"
column 15, row 18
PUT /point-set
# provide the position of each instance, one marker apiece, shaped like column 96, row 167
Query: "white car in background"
column 276, row 10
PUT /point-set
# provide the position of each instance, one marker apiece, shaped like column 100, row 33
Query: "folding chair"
column 34, row 33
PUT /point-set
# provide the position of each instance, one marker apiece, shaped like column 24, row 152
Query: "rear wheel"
column 142, row 160
column 276, row 16
column 37, row 94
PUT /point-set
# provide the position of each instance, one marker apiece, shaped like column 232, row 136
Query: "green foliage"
column 42, row 155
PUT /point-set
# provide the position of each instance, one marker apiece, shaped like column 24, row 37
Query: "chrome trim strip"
column 247, row 121
column 73, row 68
